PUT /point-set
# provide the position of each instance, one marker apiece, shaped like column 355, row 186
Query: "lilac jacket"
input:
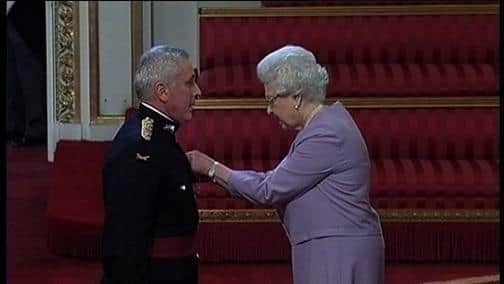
column 321, row 188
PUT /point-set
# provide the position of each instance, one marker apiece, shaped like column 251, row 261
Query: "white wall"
column 165, row 22
column 114, row 38
column 176, row 23
column 114, row 81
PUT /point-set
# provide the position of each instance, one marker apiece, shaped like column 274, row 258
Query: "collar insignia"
column 147, row 126
column 169, row 127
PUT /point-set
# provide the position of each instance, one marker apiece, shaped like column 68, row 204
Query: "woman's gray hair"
column 160, row 63
column 294, row 70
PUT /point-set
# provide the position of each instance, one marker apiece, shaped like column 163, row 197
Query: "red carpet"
column 29, row 259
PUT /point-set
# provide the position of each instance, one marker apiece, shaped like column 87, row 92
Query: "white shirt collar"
column 157, row 111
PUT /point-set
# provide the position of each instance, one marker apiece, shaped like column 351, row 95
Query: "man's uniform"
column 150, row 210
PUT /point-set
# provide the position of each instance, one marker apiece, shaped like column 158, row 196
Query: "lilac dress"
column 321, row 192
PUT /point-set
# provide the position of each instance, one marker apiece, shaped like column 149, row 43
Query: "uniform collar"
column 161, row 120
column 157, row 111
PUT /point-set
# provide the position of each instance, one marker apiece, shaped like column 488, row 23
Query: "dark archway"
column 26, row 73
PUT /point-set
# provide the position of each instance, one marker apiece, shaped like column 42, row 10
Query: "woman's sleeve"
column 312, row 159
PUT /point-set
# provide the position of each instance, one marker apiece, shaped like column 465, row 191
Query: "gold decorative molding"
column 440, row 215
column 94, row 60
column 67, row 61
column 136, row 30
column 136, row 44
column 386, row 215
column 108, row 119
column 363, row 102
column 485, row 279
column 358, row 10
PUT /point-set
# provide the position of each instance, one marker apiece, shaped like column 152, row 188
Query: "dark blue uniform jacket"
column 147, row 187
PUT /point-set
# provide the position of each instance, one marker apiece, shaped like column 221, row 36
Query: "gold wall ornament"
column 386, row 215
column 67, row 67
column 352, row 10
column 362, row 102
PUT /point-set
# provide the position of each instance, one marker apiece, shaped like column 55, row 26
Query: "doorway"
column 26, row 74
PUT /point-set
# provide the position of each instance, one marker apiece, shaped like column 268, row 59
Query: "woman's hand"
column 200, row 162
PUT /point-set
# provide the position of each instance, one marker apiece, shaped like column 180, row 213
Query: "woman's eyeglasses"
column 271, row 100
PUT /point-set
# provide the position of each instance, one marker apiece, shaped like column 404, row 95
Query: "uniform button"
column 182, row 187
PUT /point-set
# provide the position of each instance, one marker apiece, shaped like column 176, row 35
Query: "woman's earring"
column 298, row 103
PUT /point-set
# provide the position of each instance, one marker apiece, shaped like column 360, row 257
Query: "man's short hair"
column 160, row 63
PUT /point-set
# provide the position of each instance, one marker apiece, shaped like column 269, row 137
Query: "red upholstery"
column 234, row 136
column 368, row 2
column 253, row 137
column 366, row 80
column 129, row 113
column 75, row 204
column 226, row 41
column 366, row 55
column 405, row 183
column 421, row 158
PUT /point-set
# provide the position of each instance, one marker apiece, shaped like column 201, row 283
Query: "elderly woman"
column 321, row 188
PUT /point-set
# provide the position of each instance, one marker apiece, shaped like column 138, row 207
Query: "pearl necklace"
column 313, row 113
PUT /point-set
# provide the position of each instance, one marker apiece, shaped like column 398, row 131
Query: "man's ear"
column 162, row 91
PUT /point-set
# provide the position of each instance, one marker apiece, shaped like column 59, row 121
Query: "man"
column 150, row 210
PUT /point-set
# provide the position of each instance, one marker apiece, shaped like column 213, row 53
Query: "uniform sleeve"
column 311, row 160
column 130, row 212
